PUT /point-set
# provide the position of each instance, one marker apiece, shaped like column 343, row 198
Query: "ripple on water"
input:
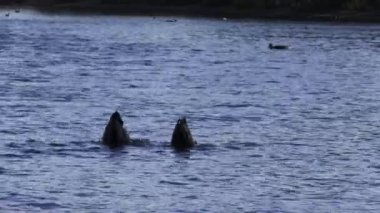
column 2, row 170
column 191, row 197
column 205, row 146
column 13, row 145
column 139, row 142
column 250, row 144
column 173, row 183
column 85, row 194
column 232, row 147
column 45, row 206
column 31, row 151
column 235, row 145
column 232, row 106
column 11, row 132
column 57, row 144
column 14, row 156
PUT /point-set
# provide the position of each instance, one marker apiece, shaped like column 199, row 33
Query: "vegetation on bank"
column 247, row 8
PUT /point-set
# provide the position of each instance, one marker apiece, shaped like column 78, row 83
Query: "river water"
column 278, row 131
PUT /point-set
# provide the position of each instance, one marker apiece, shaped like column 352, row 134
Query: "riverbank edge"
column 194, row 11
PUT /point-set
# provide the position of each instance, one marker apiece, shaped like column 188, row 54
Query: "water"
column 279, row 131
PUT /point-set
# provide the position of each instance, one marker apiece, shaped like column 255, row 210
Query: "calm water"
column 279, row 131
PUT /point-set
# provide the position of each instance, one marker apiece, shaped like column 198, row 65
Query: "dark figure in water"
column 115, row 135
column 277, row 47
column 182, row 138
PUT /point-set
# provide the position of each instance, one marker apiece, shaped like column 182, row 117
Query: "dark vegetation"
column 365, row 10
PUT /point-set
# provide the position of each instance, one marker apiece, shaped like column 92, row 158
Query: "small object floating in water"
column 115, row 135
column 182, row 138
column 171, row 20
column 277, row 47
column 17, row 10
column 224, row 19
column 7, row 15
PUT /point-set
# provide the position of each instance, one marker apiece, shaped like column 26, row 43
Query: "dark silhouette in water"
column 171, row 20
column 182, row 138
column 114, row 134
column 277, row 47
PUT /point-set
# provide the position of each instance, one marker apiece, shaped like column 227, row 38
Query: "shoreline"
column 195, row 11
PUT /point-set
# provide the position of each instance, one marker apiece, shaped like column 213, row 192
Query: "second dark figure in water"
column 277, row 47
column 114, row 134
column 182, row 138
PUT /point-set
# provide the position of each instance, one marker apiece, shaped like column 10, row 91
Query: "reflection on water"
column 287, row 131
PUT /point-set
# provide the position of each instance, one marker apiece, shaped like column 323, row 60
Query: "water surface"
column 279, row 131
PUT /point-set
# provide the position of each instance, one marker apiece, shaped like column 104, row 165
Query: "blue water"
column 278, row 131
